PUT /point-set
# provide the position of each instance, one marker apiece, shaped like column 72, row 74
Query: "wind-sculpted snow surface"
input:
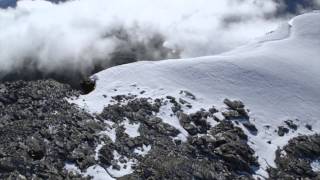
column 278, row 79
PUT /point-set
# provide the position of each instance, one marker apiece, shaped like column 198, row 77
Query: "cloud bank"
column 41, row 39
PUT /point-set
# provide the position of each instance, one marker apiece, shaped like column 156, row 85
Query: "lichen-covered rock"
column 219, row 152
column 293, row 161
column 41, row 131
column 282, row 130
column 291, row 124
column 222, row 154
column 236, row 110
column 251, row 127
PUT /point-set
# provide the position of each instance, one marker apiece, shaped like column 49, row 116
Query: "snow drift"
column 277, row 77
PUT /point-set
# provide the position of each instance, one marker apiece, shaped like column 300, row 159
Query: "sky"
column 86, row 35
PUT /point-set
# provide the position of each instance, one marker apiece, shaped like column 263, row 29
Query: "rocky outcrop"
column 41, row 131
column 222, row 154
column 236, row 112
column 219, row 152
column 294, row 160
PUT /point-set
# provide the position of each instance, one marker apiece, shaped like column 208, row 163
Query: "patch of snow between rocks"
column 96, row 171
column 315, row 165
column 144, row 150
column 72, row 168
column 131, row 128
column 167, row 116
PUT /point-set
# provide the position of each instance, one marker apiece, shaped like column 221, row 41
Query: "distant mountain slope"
column 7, row 3
column 13, row 3
column 278, row 79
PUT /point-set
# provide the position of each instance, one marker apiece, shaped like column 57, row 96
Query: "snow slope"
column 277, row 77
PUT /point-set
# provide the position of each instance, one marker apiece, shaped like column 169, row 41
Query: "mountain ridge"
column 277, row 80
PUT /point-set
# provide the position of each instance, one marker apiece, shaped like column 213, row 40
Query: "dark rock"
column 40, row 131
column 309, row 127
column 219, row 152
column 171, row 98
column 106, row 154
column 251, row 127
column 87, row 85
column 295, row 162
column 188, row 94
column 166, row 129
column 153, row 121
column 219, row 155
column 131, row 144
column 36, row 148
column 282, row 130
column 176, row 106
column 116, row 167
column 232, row 114
column 182, row 101
column 234, row 105
column 291, row 124
column 216, row 118
column 236, row 110
column 213, row 110
column 183, row 118
column 189, row 106
column 7, row 165
column 191, row 129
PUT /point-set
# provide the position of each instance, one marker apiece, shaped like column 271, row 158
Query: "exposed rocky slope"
column 295, row 159
column 42, row 135
column 210, row 152
column 40, row 131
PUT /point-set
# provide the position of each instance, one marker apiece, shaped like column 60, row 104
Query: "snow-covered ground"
column 277, row 77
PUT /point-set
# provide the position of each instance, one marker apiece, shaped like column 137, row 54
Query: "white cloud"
column 74, row 34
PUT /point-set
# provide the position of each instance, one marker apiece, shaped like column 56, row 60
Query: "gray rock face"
column 40, row 131
column 219, row 152
column 309, row 127
column 291, row 124
column 195, row 123
column 213, row 156
column 282, row 130
column 236, row 112
column 293, row 161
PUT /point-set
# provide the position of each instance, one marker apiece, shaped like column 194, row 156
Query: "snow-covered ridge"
column 278, row 78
